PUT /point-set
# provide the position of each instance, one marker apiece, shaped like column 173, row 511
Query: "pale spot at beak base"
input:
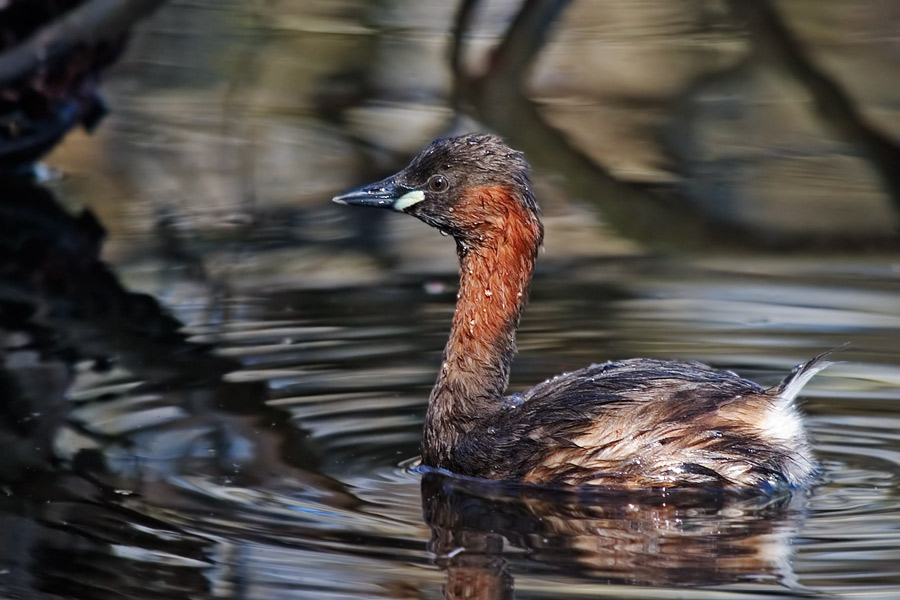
column 408, row 199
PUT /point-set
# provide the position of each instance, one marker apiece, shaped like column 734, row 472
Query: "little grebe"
column 634, row 423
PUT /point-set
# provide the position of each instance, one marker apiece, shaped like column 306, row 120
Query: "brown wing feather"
column 646, row 422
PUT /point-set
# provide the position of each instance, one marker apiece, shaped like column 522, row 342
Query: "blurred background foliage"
column 704, row 125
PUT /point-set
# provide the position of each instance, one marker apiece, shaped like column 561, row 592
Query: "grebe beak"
column 386, row 193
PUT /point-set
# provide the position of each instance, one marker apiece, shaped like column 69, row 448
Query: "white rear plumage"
column 790, row 388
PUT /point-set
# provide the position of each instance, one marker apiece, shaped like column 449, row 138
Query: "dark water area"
column 216, row 379
column 274, row 459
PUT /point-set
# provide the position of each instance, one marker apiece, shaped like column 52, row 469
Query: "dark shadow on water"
column 62, row 310
column 67, row 538
column 72, row 458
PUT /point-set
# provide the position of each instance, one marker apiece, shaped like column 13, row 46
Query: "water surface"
column 280, row 466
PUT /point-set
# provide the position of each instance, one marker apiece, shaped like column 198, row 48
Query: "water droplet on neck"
column 444, row 233
column 515, row 400
column 488, row 293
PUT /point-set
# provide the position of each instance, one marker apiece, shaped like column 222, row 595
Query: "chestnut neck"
column 496, row 263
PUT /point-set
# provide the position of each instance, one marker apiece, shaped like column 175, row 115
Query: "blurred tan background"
column 228, row 114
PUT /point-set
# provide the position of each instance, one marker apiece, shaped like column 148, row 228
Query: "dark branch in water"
column 91, row 23
column 638, row 211
column 50, row 65
column 656, row 216
column 461, row 24
column 774, row 40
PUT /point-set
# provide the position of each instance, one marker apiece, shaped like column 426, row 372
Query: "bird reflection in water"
column 682, row 538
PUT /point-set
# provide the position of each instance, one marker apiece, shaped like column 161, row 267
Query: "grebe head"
column 464, row 186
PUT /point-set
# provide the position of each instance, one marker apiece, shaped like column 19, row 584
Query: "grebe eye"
column 438, row 183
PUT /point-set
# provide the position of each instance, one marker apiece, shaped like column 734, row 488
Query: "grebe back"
column 630, row 423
